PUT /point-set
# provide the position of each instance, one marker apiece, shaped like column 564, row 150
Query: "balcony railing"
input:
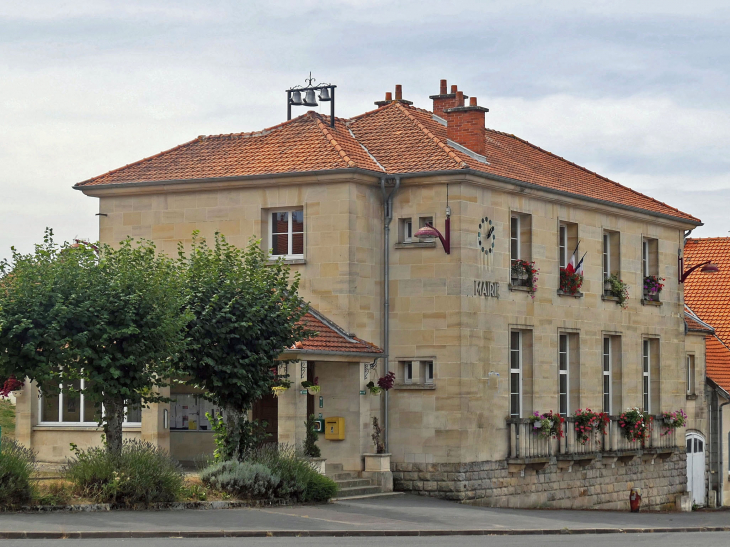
column 525, row 444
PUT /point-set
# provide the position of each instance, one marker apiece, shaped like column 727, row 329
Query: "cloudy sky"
column 636, row 90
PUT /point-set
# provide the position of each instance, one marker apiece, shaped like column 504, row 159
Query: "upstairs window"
column 287, row 234
column 650, row 268
column 611, row 258
column 520, row 247
column 567, row 242
column 408, row 226
column 690, row 375
column 419, row 372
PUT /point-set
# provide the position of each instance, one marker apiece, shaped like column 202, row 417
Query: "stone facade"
column 598, row 485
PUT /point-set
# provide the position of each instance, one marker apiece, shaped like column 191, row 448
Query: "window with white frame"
column 611, row 258
column 690, row 374
column 646, row 379
column 427, row 372
column 70, row 406
column 405, row 230
column 407, row 371
column 188, row 412
column 515, row 379
column 607, row 374
column 649, row 263
column 520, row 246
column 563, row 245
column 286, row 232
column 563, row 374
column 514, row 237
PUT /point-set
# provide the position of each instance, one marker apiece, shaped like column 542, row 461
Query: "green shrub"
column 319, row 488
column 142, row 473
column 310, row 441
column 244, row 479
column 55, row 493
column 17, row 464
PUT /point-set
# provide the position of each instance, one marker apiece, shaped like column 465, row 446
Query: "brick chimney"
column 465, row 124
column 444, row 99
column 389, row 97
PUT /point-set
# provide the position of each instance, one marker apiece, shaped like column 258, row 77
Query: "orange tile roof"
column 709, row 294
column 718, row 362
column 330, row 337
column 395, row 139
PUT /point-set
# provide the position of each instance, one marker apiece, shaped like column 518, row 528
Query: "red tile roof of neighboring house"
column 694, row 323
column 718, row 362
column 394, row 139
column 330, row 337
column 709, row 294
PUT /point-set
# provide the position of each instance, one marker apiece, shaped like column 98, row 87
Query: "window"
column 650, row 264
column 405, row 230
column 563, row 369
column 515, row 366
column 650, row 373
column 690, row 374
column 188, row 412
column 407, row 372
column 607, row 374
column 520, row 244
column 567, row 243
column 427, row 372
column 611, row 263
column 287, row 233
column 563, row 244
column 70, row 406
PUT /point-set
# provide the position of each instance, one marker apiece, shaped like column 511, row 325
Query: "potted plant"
column 570, row 280
column 547, row 425
column 672, row 421
column 11, row 385
column 635, row 424
column 311, row 450
column 652, row 287
column 588, row 422
column 614, row 286
column 374, row 390
column 379, row 461
column 524, row 274
column 312, row 387
column 386, row 382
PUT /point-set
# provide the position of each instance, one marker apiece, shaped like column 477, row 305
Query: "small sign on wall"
column 486, row 289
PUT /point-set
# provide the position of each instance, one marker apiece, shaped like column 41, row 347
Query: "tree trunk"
column 234, row 425
column 113, row 419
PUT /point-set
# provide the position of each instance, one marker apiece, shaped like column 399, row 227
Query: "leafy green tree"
column 245, row 312
column 109, row 316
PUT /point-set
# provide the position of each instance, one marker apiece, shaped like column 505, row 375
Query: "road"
column 705, row 539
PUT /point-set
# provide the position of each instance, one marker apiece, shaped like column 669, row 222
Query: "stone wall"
column 599, row 485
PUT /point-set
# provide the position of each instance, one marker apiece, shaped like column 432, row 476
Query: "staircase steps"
column 351, row 484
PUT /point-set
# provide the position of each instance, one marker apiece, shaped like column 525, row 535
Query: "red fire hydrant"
column 635, row 500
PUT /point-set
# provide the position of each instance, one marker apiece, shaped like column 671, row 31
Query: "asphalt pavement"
column 405, row 515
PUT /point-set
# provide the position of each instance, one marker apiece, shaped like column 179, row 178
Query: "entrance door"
column 696, row 467
column 267, row 409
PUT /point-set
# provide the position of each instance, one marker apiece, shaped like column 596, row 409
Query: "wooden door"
column 266, row 410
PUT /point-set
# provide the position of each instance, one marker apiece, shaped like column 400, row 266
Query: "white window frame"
column 646, row 376
column 607, row 365
column 564, row 372
column 606, row 255
column 645, row 257
column 82, row 422
column 427, row 369
column 515, row 230
column 407, row 372
column 690, row 374
column 563, row 245
column 517, row 371
column 290, row 235
column 408, row 230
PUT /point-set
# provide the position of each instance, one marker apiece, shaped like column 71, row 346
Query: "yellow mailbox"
column 334, row 428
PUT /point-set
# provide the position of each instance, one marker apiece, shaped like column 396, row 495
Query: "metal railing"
column 526, row 443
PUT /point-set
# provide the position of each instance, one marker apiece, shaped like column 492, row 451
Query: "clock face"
column 486, row 236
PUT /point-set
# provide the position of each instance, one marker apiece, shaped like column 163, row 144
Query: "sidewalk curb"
column 349, row 533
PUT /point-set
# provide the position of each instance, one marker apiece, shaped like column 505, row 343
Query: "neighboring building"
column 475, row 352
column 708, row 296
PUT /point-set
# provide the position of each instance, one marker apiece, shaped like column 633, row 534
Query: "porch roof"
column 330, row 340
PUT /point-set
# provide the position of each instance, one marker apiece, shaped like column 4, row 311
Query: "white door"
column 696, row 467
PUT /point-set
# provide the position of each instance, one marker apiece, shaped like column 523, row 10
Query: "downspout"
column 388, row 217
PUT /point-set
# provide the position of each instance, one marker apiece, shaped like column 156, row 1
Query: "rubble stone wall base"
column 600, row 484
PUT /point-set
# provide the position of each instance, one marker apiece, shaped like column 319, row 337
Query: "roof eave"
column 325, row 355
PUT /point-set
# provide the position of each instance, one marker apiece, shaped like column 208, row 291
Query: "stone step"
column 343, row 475
column 353, row 483
column 334, row 468
column 345, row 493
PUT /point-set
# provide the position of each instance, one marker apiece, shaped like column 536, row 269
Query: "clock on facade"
column 486, row 236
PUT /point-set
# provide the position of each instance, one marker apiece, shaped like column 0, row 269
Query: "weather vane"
column 326, row 93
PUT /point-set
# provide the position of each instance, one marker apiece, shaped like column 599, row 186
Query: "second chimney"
column 465, row 124
column 444, row 99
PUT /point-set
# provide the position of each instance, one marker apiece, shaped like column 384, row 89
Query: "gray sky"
column 635, row 90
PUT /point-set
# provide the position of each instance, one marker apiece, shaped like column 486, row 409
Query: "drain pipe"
column 720, row 473
column 388, row 217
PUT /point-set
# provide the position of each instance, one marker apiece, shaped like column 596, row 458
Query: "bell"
column 296, row 98
column 324, row 94
column 309, row 98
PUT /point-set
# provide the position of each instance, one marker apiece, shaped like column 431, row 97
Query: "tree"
column 245, row 312
column 111, row 317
